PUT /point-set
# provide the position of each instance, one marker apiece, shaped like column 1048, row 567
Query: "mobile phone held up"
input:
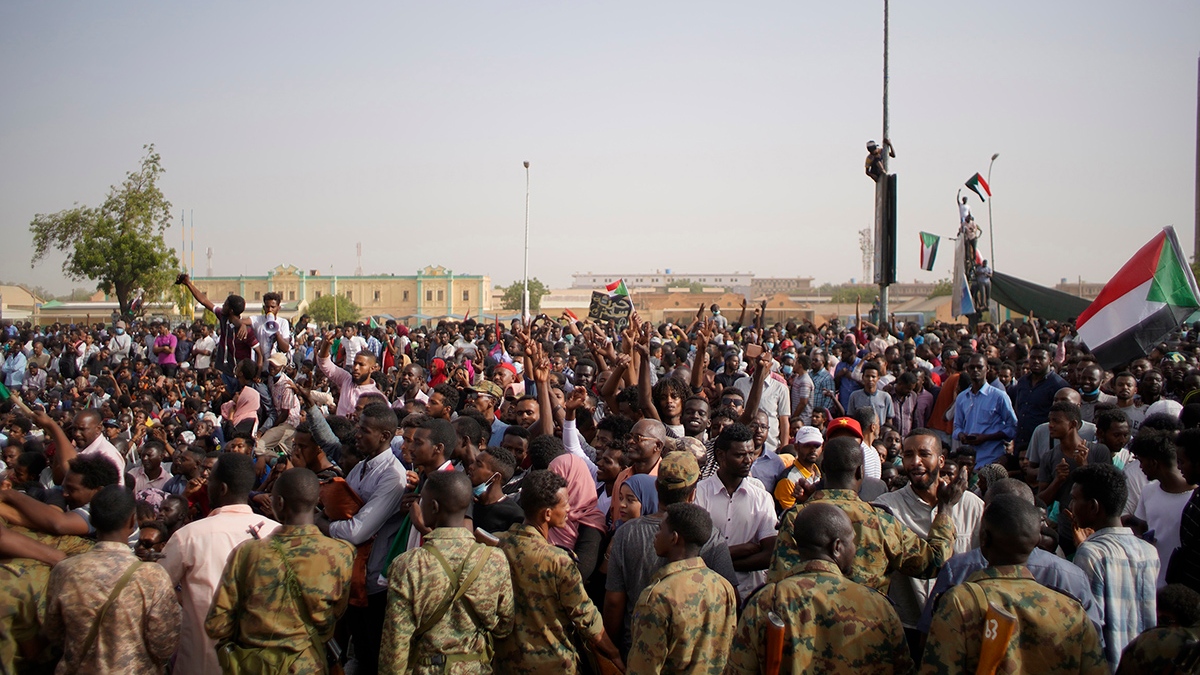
column 753, row 351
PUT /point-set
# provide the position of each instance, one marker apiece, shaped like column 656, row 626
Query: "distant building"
column 1087, row 290
column 431, row 293
column 760, row 286
column 18, row 303
column 736, row 282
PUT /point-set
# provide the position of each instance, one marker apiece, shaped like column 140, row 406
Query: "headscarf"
column 581, row 494
column 437, row 372
column 645, row 489
column 993, row 473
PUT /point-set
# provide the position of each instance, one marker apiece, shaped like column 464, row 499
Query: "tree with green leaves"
column 691, row 286
column 120, row 244
column 322, row 309
column 512, row 296
column 941, row 287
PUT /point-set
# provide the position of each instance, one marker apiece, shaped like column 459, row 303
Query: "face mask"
column 1094, row 392
column 120, row 331
column 787, row 370
column 769, row 345
column 483, row 487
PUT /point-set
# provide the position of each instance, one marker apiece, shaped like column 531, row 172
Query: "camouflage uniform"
column 254, row 605
column 684, row 621
column 550, row 606
column 832, row 625
column 141, row 629
column 1053, row 635
column 22, row 605
column 1155, row 650
column 884, row 544
column 418, row 587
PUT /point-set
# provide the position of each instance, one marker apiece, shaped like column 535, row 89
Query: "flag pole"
column 883, row 281
column 525, row 277
column 992, row 238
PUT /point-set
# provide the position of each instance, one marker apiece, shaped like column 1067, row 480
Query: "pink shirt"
column 102, row 447
column 348, row 392
column 195, row 558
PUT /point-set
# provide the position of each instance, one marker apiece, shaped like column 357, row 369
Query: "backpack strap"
column 94, row 631
column 293, row 585
column 458, row 587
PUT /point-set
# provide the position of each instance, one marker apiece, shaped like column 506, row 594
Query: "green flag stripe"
column 1170, row 283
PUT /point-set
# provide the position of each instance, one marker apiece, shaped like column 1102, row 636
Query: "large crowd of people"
column 253, row 494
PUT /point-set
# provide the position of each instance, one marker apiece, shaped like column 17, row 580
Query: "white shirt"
column 1162, row 512
column 102, row 447
column 963, row 211
column 748, row 515
column 266, row 338
column 207, row 344
column 195, row 558
column 353, row 345
column 872, row 468
column 908, row 593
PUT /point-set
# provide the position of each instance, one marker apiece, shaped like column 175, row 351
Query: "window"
column 428, row 296
column 350, row 295
column 291, row 295
column 406, row 296
column 377, row 294
column 441, row 296
column 466, row 296
column 257, row 295
column 318, row 294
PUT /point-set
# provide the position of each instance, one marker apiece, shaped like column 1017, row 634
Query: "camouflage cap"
column 489, row 388
column 678, row 470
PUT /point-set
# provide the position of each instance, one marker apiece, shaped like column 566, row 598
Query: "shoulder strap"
column 293, row 585
column 980, row 598
column 458, row 587
column 112, row 597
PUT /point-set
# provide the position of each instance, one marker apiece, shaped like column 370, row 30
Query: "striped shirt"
column 1123, row 572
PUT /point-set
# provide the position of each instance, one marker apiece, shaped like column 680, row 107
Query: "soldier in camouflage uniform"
column 550, row 602
column 1053, row 634
column 832, row 625
column 884, row 544
column 444, row 619
column 256, row 603
column 23, row 578
column 685, row 618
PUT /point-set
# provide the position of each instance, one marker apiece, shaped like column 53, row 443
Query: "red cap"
column 843, row 425
column 508, row 366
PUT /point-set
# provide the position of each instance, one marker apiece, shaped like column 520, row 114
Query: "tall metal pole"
column 525, row 277
column 1196, row 244
column 992, row 240
column 883, row 287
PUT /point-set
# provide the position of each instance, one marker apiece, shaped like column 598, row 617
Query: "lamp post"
column 992, row 236
column 525, row 277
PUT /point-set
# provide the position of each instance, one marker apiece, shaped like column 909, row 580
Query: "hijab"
column 581, row 494
column 645, row 489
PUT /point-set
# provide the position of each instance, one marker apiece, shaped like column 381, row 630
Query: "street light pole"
column 525, row 277
column 883, row 286
column 992, row 236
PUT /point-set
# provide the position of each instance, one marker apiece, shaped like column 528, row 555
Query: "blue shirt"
column 986, row 412
column 1032, row 403
column 14, row 369
column 767, row 469
column 1050, row 571
column 498, row 428
column 848, row 384
column 822, row 382
column 1123, row 572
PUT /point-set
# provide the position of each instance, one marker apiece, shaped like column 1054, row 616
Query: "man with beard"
column 914, row 505
column 1150, row 388
column 351, row 384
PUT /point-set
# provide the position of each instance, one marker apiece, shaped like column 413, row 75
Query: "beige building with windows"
column 433, row 292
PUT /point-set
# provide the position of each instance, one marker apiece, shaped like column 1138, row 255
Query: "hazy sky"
column 696, row 136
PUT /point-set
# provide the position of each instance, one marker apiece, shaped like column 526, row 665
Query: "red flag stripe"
column 1140, row 269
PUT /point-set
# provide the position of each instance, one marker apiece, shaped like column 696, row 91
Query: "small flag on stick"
column 617, row 288
column 929, row 247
